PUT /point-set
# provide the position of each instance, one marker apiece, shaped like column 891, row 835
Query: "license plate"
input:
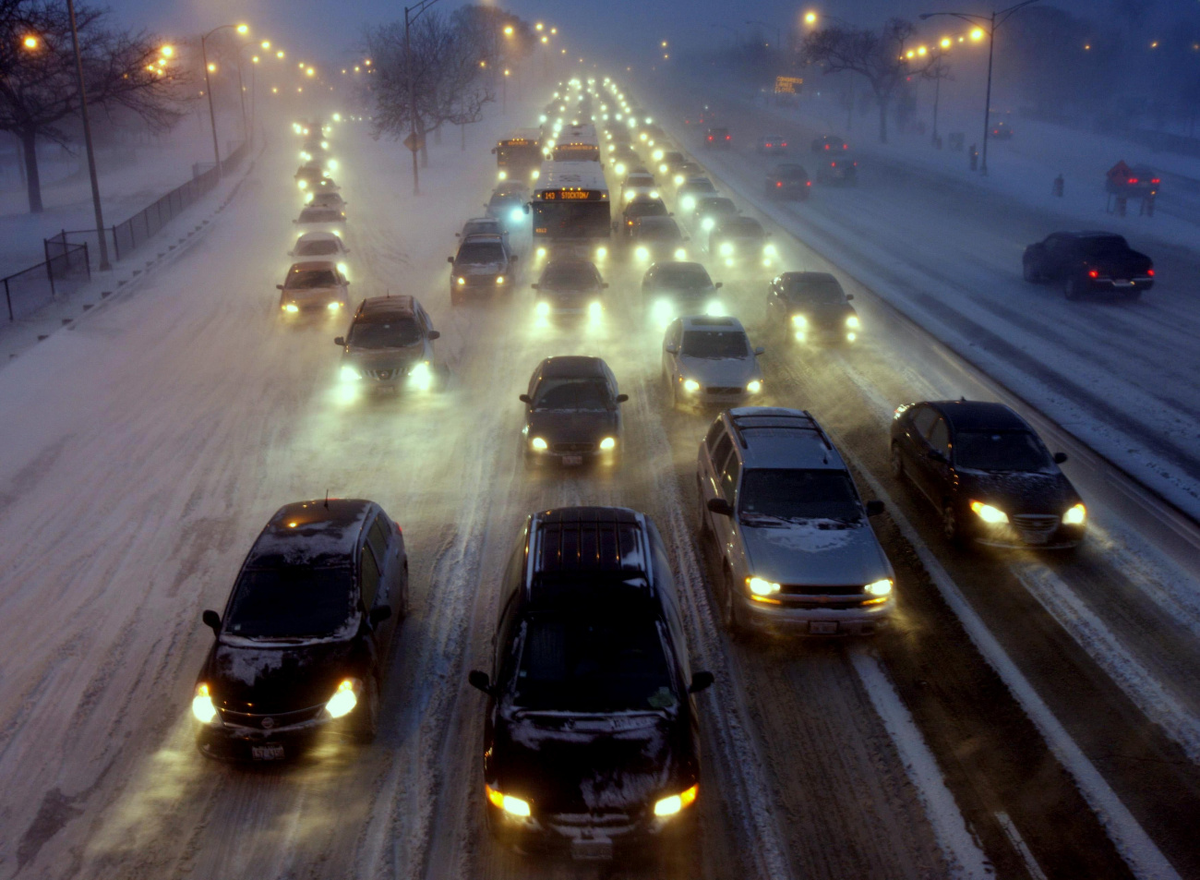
column 268, row 752
column 572, row 460
column 822, row 627
column 387, row 388
column 591, row 850
column 1121, row 283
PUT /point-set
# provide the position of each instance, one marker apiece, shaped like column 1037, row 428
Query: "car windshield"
column 1014, row 451
column 476, row 253
column 290, row 602
column 395, row 332
column 667, row 231
column 563, row 393
column 743, row 226
column 319, row 215
column 639, row 180
column 796, row 495
column 715, row 344
column 593, row 662
column 701, row 185
column 477, row 226
column 569, row 276
column 682, row 276
column 646, row 209
column 1102, row 247
column 307, row 279
column 317, row 248
column 824, row 292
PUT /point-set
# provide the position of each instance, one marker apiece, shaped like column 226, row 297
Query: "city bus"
column 576, row 143
column 519, row 154
column 571, row 209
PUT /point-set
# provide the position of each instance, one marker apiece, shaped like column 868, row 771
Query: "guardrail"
column 65, row 267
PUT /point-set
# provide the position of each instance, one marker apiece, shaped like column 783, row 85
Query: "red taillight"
column 827, row 146
column 1132, row 180
column 784, row 144
column 1154, row 180
column 779, row 183
column 1092, row 273
column 833, row 164
column 845, row 146
column 1150, row 272
column 710, row 137
column 728, row 137
column 808, row 183
column 399, row 531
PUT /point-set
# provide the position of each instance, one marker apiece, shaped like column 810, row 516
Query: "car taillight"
column 728, row 137
column 1132, row 180
column 399, row 531
column 1150, row 272
column 779, row 183
column 833, row 164
column 845, row 146
column 784, row 144
column 808, row 183
column 1092, row 273
column 1152, row 179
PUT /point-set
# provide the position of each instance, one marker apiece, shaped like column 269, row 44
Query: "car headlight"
column 349, row 374
column 879, row 588
column 658, row 154
column 461, row 280
column 620, row 168
column 308, row 199
column 595, row 311
column 642, row 253
column 503, row 175
column 852, row 322
column 334, row 306
column 499, row 279
column 420, row 376
column 345, row 698
column 707, row 224
column 514, row 806
column 541, row 253
column 800, row 322
column 342, row 268
column 539, row 444
column 291, row 308
column 680, row 253
column 1076, row 516
column 535, row 174
column 726, row 249
column 608, row 444
column 303, row 184
column 761, row 587
column 691, row 386
column 714, row 309
column 542, row 309
column 988, row 514
column 678, row 179
column 675, row 803
column 769, row 250
column 663, row 311
column 601, row 253
column 688, row 203
column 515, row 215
column 754, row 386
column 203, row 708
column 662, row 168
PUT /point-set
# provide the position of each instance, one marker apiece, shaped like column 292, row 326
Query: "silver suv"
column 781, row 513
column 389, row 348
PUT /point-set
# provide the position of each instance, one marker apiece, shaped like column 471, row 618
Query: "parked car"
column 830, row 143
column 303, row 643
column 1088, row 262
column 787, row 182
column 708, row 361
column 790, row 536
column 569, row 288
column 483, row 267
column 389, row 348
column 671, row 288
column 314, row 286
column 811, row 307
column 319, row 244
column 591, row 734
column 772, row 144
column 988, row 473
column 572, row 412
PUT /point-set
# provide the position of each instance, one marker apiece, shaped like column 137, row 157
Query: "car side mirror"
column 700, row 681
column 339, row 340
column 480, row 680
column 719, row 506
column 934, row 455
column 535, row 286
column 759, row 350
column 213, row 621
column 671, row 348
column 525, row 398
column 874, row 508
column 279, row 287
column 433, row 334
column 718, row 285
column 621, row 398
column 379, row 615
column 449, row 259
column 849, row 296
column 604, row 285
column 1060, row 457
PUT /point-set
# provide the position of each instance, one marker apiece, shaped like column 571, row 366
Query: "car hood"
column 478, row 268
column 568, row 763
column 807, row 553
column 567, row 426
column 271, row 678
column 313, row 294
column 687, row 294
column 1019, row 493
column 720, row 371
column 384, row 358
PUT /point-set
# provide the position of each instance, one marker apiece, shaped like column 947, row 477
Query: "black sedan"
column 1087, row 262
column 304, row 639
column 788, row 181
column 811, row 307
column 569, row 288
column 657, row 238
column 591, row 740
column 572, row 412
column 988, row 474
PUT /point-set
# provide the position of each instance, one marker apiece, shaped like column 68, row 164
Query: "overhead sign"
column 786, row 85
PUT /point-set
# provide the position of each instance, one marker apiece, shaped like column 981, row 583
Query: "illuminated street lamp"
column 211, row 68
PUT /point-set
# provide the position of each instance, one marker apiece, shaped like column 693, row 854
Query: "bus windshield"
column 571, row 220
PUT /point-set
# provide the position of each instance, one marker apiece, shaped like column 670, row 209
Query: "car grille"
column 591, row 820
column 384, row 375
column 573, row 448
column 807, row 590
column 282, row 719
column 724, row 389
column 1035, row 528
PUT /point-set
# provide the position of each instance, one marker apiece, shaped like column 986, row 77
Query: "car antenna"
column 326, row 499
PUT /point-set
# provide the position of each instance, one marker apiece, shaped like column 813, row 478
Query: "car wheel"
column 897, row 462
column 951, row 528
column 455, row 297
column 1030, row 275
column 367, row 726
column 404, row 604
column 729, row 609
column 1073, row 289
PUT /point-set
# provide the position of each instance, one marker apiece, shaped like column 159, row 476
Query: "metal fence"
column 65, row 268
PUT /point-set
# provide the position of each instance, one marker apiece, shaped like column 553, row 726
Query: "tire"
column 951, row 528
column 1073, row 289
column 896, row 461
column 1030, row 276
column 729, row 612
column 366, row 726
column 455, row 297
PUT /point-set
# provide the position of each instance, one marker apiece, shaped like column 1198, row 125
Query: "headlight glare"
column 608, row 443
column 1076, row 516
column 291, row 308
column 349, row 374
column 642, row 253
column 761, row 587
column 680, row 254
column 879, row 588
column 420, row 376
column 691, row 386
column 595, row 311
column 539, row 444
column 754, row 386
column 989, row 514
column 334, row 306
column 203, row 708
column 675, row 803
column 514, row 806
column 344, row 699
column 726, row 249
column 852, row 322
column 542, row 309
column 499, row 279
column 800, row 322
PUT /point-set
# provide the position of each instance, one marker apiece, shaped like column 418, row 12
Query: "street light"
column 778, row 41
column 984, row 25
column 211, row 68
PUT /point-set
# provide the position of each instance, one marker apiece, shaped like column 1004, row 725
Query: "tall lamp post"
column 87, row 139
column 212, row 116
column 988, row 24
column 411, row 14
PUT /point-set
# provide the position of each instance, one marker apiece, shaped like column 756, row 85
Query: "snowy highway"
column 146, row 446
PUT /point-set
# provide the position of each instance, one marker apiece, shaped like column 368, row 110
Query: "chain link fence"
column 65, row 269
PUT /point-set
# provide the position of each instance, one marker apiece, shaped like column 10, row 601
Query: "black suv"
column 988, row 473
column 306, row 632
column 811, row 307
column 1085, row 262
column 591, row 741
column 389, row 346
column 572, row 412
column 718, row 136
column 482, row 267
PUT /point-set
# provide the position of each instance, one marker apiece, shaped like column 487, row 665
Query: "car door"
column 387, row 555
column 718, row 447
column 728, row 536
column 369, row 581
column 938, row 475
column 914, row 443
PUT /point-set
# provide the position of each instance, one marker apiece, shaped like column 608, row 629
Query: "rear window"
column 290, row 601
column 1099, row 247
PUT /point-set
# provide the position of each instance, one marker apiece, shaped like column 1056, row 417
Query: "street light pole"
column 87, row 138
column 212, row 116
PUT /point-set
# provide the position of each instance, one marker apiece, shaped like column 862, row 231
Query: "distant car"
column 693, row 189
column 327, row 200
column 657, row 238
column 685, row 170
column 790, row 535
column 624, row 159
column 483, row 267
column 591, row 738
column 638, row 183
column 710, row 209
column 304, row 641
column 737, row 239
column 639, row 206
column 670, row 162
column 811, row 307
column 988, row 473
column 318, row 214
column 309, row 172
column 509, row 204
column 569, row 288
column 675, row 287
column 389, row 348
column 572, row 413
column 837, row 169
column 718, row 136
column 708, row 361
column 1088, row 262
column 319, row 244
column 789, row 181
column 314, row 286
column 481, row 226
column 772, row 144
column 1002, row 131
column 830, row 143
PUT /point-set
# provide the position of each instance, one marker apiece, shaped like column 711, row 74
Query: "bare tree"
column 38, row 86
column 879, row 57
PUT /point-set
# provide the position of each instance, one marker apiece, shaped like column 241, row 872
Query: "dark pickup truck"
column 1088, row 262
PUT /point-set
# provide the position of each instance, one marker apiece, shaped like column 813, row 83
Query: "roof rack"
column 803, row 419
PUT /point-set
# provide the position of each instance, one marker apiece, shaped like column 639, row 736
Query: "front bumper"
column 1105, row 284
column 572, row 454
column 252, row 742
column 590, row 837
column 790, row 619
column 1044, row 532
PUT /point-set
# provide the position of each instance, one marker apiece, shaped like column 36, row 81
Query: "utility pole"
column 87, row 139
